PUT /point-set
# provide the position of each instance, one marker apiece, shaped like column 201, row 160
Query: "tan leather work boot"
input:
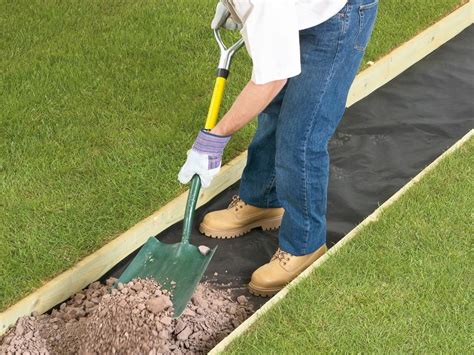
column 239, row 218
column 282, row 268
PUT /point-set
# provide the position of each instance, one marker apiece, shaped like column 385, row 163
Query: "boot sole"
column 266, row 225
column 267, row 292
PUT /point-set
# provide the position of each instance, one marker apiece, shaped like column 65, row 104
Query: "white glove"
column 197, row 163
column 223, row 18
column 204, row 159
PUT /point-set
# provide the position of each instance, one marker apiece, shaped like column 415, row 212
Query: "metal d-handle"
column 226, row 52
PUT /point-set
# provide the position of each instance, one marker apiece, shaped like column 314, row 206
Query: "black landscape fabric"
column 383, row 141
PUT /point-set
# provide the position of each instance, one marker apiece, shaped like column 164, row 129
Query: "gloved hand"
column 204, row 158
column 223, row 18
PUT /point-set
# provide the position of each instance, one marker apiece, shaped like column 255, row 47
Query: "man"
column 305, row 55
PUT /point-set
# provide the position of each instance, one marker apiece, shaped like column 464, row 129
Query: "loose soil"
column 132, row 318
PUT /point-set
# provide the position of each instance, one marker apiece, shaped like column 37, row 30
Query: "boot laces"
column 236, row 202
column 282, row 256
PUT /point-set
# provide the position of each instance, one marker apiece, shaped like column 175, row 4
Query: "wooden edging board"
column 97, row 264
column 403, row 57
column 242, row 328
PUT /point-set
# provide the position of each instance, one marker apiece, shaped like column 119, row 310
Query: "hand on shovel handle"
column 204, row 158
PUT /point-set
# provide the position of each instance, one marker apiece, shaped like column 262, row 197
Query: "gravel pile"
column 133, row 318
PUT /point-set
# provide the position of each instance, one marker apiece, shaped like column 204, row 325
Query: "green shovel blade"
column 176, row 267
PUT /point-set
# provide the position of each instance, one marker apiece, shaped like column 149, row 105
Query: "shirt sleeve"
column 271, row 36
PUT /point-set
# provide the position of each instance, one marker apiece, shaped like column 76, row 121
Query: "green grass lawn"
column 99, row 102
column 403, row 285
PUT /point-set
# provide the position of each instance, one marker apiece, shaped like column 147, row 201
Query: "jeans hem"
column 298, row 252
column 258, row 203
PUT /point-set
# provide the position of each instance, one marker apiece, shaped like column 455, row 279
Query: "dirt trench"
column 130, row 319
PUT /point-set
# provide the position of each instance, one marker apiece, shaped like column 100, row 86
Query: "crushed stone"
column 204, row 250
column 129, row 319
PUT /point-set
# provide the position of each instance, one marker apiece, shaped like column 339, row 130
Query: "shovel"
column 179, row 267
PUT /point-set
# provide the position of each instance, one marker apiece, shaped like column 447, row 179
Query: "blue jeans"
column 288, row 161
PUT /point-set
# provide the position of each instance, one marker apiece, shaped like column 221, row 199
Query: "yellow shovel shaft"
column 215, row 105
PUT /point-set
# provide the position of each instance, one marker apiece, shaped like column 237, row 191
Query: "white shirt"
column 271, row 32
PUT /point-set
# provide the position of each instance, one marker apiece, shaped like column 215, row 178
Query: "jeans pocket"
column 367, row 15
